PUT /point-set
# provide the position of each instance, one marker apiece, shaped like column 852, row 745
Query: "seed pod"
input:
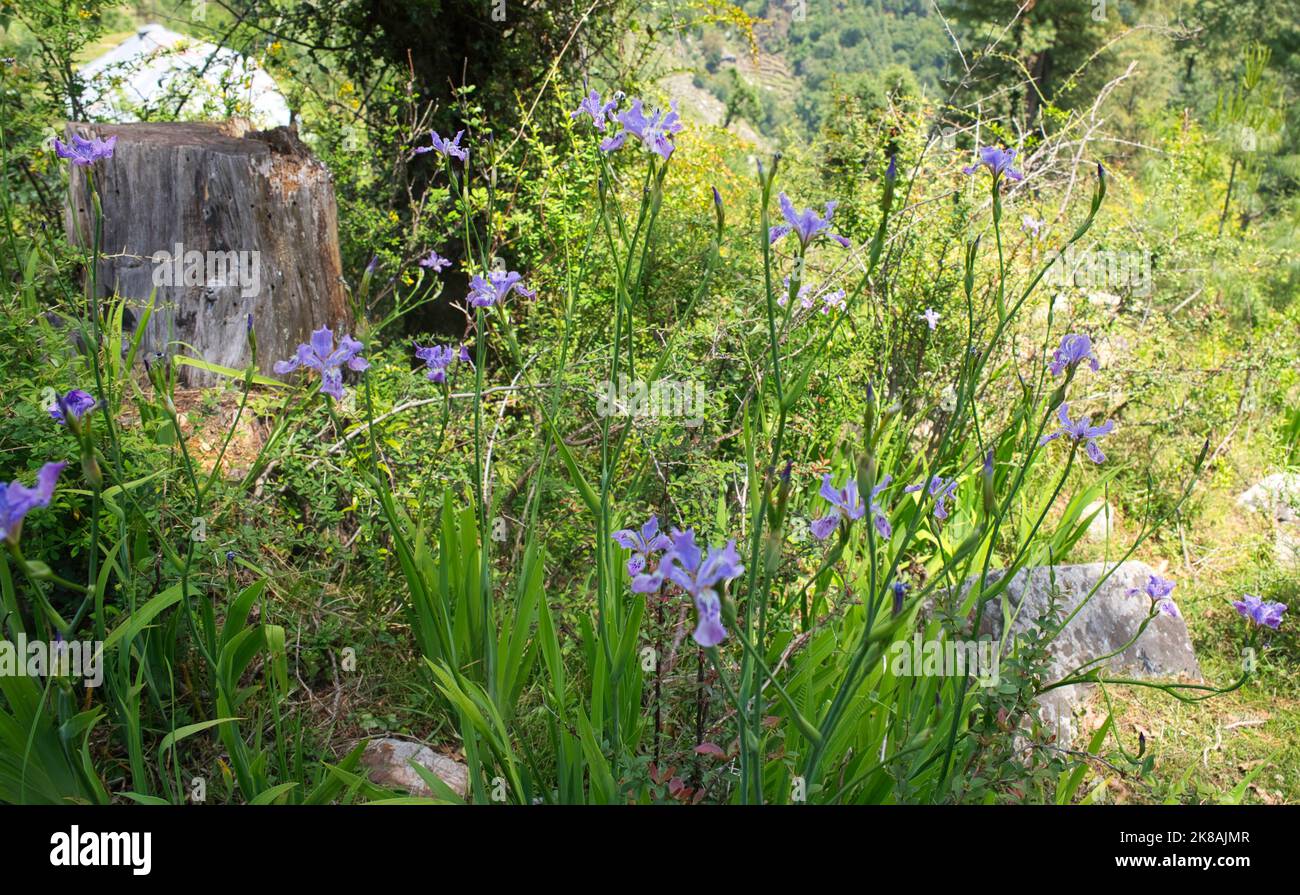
column 90, row 469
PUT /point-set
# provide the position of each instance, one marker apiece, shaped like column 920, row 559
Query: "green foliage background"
column 1210, row 354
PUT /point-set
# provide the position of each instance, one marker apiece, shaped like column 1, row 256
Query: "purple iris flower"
column 805, row 295
column 878, row 517
column 654, row 132
column 836, row 300
column 931, row 318
column 447, row 148
column 997, row 161
column 435, row 262
column 699, row 576
column 1158, row 589
column 17, row 499
column 806, row 224
column 1030, row 225
column 75, row 403
column 900, row 589
column 941, row 489
column 85, row 152
column 644, row 544
column 438, row 358
column 594, row 106
column 1075, row 349
column 845, row 504
column 1083, row 430
column 321, row 355
column 484, row 293
column 1259, row 611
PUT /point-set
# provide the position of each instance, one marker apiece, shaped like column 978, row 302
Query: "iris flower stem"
column 755, row 621
column 94, row 596
column 127, row 708
column 839, row 701
column 205, row 638
column 38, row 592
column 1175, row 690
column 461, row 185
column 230, row 433
column 93, row 592
column 984, row 600
column 965, row 397
column 480, row 487
column 639, row 478
column 609, row 460
column 628, row 288
column 805, row 727
column 106, row 410
column 966, row 394
column 1003, row 322
column 828, row 563
column 997, row 234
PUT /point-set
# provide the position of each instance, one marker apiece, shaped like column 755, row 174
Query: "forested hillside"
column 633, row 402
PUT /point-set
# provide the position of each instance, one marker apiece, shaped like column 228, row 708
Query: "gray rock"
column 1102, row 526
column 1107, row 621
column 387, row 762
column 1278, row 495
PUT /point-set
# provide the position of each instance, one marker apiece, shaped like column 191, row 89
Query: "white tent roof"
column 158, row 68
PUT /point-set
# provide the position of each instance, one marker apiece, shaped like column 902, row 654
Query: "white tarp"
column 156, row 71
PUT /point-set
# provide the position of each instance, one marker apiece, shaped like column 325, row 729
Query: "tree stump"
column 222, row 222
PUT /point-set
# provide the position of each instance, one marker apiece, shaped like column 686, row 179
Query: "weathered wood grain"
column 216, row 188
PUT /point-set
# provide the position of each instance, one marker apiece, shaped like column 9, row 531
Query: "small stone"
column 1102, row 526
column 1286, row 544
column 387, row 761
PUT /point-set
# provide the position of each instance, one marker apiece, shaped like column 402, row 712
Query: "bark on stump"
column 253, row 217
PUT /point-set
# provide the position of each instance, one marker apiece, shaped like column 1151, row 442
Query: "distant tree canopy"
column 499, row 46
column 1047, row 54
column 1224, row 26
column 742, row 101
column 838, row 47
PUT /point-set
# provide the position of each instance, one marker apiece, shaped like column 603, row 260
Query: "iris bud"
column 986, row 477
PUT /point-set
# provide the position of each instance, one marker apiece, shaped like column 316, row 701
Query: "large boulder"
column 388, row 763
column 1107, row 621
